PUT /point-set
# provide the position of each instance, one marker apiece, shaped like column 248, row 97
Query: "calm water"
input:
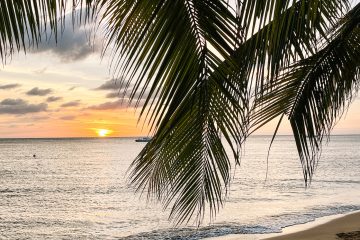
column 76, row 189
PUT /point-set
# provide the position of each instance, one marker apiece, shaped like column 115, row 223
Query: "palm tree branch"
column 26, row 23
column 315, row 91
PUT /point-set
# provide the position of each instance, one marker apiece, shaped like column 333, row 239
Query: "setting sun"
column 103, row 132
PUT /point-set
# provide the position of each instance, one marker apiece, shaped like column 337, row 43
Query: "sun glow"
column 103, row 132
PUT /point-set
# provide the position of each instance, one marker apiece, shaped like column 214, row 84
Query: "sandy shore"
column 337, row 227
column 343, row 228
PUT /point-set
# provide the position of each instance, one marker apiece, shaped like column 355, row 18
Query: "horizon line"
column 95, row 137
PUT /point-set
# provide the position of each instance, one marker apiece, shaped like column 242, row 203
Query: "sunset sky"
column 66, row 90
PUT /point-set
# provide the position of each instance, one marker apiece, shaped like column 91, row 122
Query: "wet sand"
column 343, row 228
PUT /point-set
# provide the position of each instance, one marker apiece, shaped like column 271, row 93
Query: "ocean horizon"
column 138, row 136
column 78, row 188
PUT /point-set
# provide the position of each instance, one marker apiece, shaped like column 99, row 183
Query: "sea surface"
column 77, row 189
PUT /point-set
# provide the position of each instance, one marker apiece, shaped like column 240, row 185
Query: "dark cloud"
column 9, row 86
column 118, row 104
column 127, row 95
column 68, row 118
column 71, row 104
column 113, row 84
column 20, row 106
column 38, row 92
column 73, row 43
column 53, row 99
column 120, row 91
column 109, row 105
column 114, row 95
column 72, row 88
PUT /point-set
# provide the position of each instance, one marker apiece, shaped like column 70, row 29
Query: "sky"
column 63, row 90
column 67, row 90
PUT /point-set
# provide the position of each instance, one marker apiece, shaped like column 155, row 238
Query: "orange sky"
column 67, row 91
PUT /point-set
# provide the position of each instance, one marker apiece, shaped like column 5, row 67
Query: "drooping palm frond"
column 173, row 53
column 24, row 23
column 315, row 91
column 282, row 32
column 196, row 63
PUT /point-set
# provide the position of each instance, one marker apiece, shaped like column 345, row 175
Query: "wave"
column 271, row 224
column 200, row 233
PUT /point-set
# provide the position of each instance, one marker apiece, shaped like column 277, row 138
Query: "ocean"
column 77, row 189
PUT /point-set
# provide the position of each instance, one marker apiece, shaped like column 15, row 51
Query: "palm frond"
column 174, row 54
column 316, row 90
column 197, row 63
column 282, row 32
column 25, row 23
column 202, row 65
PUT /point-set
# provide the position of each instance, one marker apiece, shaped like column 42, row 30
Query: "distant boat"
column 143, row 139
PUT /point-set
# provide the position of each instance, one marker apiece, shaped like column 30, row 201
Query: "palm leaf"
column 315, row 91
column 201, row 62
column 186, row 159
column 25, row 23
column 281, row 32
column 194, row 95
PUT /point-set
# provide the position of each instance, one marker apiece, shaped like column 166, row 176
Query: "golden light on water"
column 103, row 132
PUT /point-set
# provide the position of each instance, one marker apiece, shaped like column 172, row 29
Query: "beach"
column 346, row 227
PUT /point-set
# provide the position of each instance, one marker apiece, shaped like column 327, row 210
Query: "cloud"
column 72, row 88
column 125, row 96
column 71, row 104
column 20, row 106
column 108, row 106
column 39, row 118
column 9, row 86
column 114, row 95
column 38, row 92
column 68, row 118
column 74, row 43
column 113, row 84
column 53, row 99
column 117, row 91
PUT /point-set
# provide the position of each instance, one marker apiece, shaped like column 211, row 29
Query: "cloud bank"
column 9, row 86
column 117, row 91
column 68, row 118
column 108, row 106
column 71, row 104
column 73, row 44
column 113, row 84
column 20, row 106
column 53, row 99
column 38, row 92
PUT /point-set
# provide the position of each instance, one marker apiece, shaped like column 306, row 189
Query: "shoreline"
column 323, row 228
column 344, row 226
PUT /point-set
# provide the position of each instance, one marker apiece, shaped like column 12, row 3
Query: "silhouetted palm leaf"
column 185, row 164
column 174, row 53
column 315, row 91
column 24, row 23
column 212, row 70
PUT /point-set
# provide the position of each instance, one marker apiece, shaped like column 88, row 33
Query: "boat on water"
column 143, row 139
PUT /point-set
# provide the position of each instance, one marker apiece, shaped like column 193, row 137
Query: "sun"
column 103, row 132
